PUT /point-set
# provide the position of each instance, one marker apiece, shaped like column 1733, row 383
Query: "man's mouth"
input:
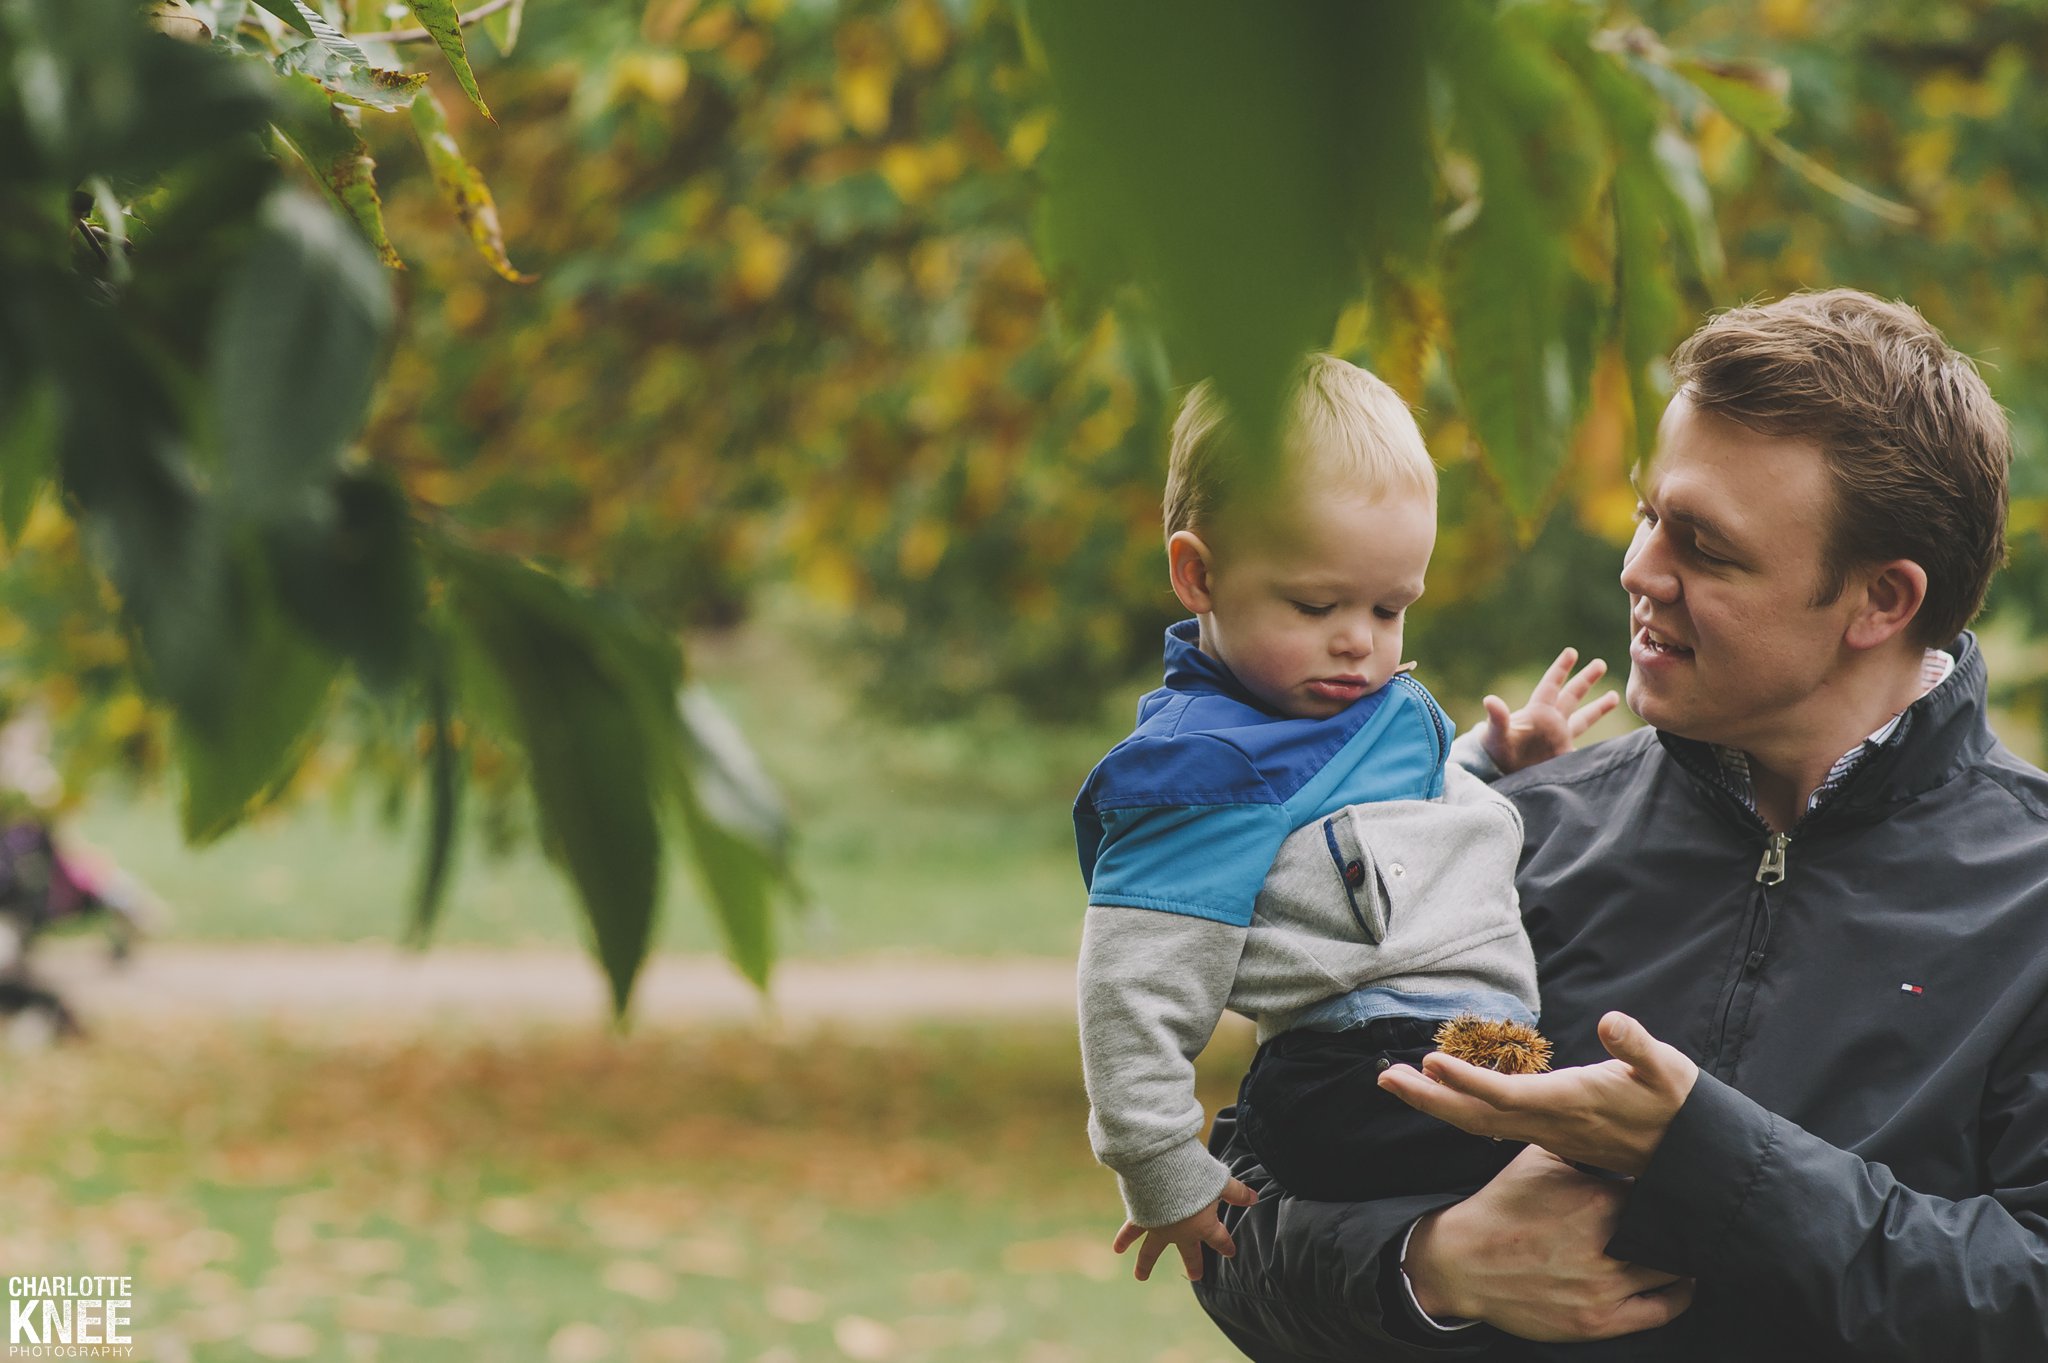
column 1657, row 644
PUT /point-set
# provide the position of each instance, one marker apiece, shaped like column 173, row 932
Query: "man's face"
column 1727, row 646
column 1308, row 607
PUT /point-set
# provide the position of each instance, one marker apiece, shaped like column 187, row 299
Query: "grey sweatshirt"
column 1434, row 916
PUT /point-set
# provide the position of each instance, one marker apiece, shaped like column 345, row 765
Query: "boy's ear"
column 1187, row 565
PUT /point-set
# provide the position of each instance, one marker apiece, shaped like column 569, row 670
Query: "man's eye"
column 1645, row 516
column 1383, row 613
column 1306, row 609
column 1711, row 560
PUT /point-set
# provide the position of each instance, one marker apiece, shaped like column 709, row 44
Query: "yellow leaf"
column 903, row 166
column 920, row 550
column 865, row 78
column 921, row 33
column 1029, row 137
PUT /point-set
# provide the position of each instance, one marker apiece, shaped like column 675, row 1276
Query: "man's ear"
column 1892, row 595
column 1187, row 564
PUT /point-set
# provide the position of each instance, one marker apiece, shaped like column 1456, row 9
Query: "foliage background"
column 791, row 326
column 790, row 329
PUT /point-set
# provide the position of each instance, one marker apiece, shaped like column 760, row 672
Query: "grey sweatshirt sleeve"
column 1152, row 987
column 1468, row 750
column 1811, row 1232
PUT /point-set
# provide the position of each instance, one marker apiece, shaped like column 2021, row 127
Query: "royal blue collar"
column 1190, row 669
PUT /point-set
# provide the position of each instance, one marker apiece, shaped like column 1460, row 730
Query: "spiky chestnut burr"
column 1505, row 1047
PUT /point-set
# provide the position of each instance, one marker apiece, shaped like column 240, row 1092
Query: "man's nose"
column 1646, row 567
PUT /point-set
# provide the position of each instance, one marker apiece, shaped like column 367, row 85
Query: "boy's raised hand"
column 1187, row 1235
column 1555, row 717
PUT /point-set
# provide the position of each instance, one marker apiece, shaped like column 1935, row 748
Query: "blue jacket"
column 1187, row 814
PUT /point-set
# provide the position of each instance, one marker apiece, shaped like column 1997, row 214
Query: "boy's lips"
column 1339, row 688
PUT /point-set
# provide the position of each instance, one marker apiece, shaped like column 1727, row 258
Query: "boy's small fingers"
column 1239, row 1194
column 1127, row 1237
column 1575, row 690
column 1587, row 716
column 1191, row 1259
column 1148, row 1255
column 1218, row 1239
column 1554, row 676
column 1497, row 713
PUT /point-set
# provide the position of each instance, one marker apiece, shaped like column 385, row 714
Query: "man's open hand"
column 1612, row 1115
column 1187, row 1235
column 1556, row 716
column 1526, row 1254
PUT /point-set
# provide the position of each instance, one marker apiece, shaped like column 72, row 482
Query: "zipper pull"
column 1771, row 870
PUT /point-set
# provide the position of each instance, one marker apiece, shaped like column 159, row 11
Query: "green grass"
column 947, row 838
column 925, row 1197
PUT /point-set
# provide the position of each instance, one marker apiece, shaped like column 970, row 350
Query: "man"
column 1806, row 913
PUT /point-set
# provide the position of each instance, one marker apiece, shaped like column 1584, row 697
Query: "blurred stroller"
column 43, row 889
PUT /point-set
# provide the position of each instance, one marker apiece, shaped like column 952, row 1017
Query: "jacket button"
column 1397, row 870
column 1354, row 873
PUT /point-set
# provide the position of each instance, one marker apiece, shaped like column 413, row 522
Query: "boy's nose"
column 1352, row 643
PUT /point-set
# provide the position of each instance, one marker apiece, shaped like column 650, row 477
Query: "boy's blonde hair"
column 1341, row 423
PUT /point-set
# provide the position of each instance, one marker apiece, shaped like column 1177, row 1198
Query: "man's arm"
column 1811, row 1232
column 1322, row 1280
column 1794, row 1226
column 1317, row 1281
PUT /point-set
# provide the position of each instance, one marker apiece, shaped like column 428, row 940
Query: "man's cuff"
column 1696, row 1190
column 1449, row 1326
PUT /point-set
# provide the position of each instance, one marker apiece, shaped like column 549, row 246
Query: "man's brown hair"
column 1917, row 449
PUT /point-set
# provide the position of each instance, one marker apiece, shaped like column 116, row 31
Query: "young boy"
column 1288, row 722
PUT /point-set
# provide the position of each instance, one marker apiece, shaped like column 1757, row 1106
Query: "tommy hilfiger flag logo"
column 1911, row 989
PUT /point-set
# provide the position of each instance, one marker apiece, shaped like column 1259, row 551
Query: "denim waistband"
column 1360, row 1006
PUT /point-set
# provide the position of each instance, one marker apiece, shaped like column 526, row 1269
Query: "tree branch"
column 420, row 35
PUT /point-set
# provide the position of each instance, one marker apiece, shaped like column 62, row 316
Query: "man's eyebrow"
column 1699, row 522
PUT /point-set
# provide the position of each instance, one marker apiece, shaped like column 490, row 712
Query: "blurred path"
column 169, row 980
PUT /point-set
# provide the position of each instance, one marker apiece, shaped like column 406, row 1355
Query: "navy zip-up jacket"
column 1861, row 1171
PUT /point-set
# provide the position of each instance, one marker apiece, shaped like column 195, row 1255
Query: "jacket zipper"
column 1436, row 735
column 1770, row 872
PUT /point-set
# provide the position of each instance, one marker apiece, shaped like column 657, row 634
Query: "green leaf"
column 1520, row 348
column 1689, row 210
column 349, row 574
column 295, row 351
column 444, row 791
column 738, row 829
column 590, row 756
column 462, row 186
column 352, row 80
column 1751, row 94
column 28, row 447
column 1198, row 159
column 321, row 136
column 289, row 11
column 1651, row 217
column 444, row 21
column 503, row 27
column 276, row 689
column 1389, row 136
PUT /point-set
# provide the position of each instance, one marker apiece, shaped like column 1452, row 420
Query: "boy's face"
column 1305, row 606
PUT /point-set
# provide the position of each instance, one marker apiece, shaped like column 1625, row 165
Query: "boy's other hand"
column 1187, row 1235
column 1556, row 716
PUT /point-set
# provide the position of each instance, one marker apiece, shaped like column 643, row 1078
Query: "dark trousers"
column 1312, row 1110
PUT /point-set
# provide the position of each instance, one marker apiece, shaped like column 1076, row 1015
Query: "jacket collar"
column 1938, row 736
column 1190, row 669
